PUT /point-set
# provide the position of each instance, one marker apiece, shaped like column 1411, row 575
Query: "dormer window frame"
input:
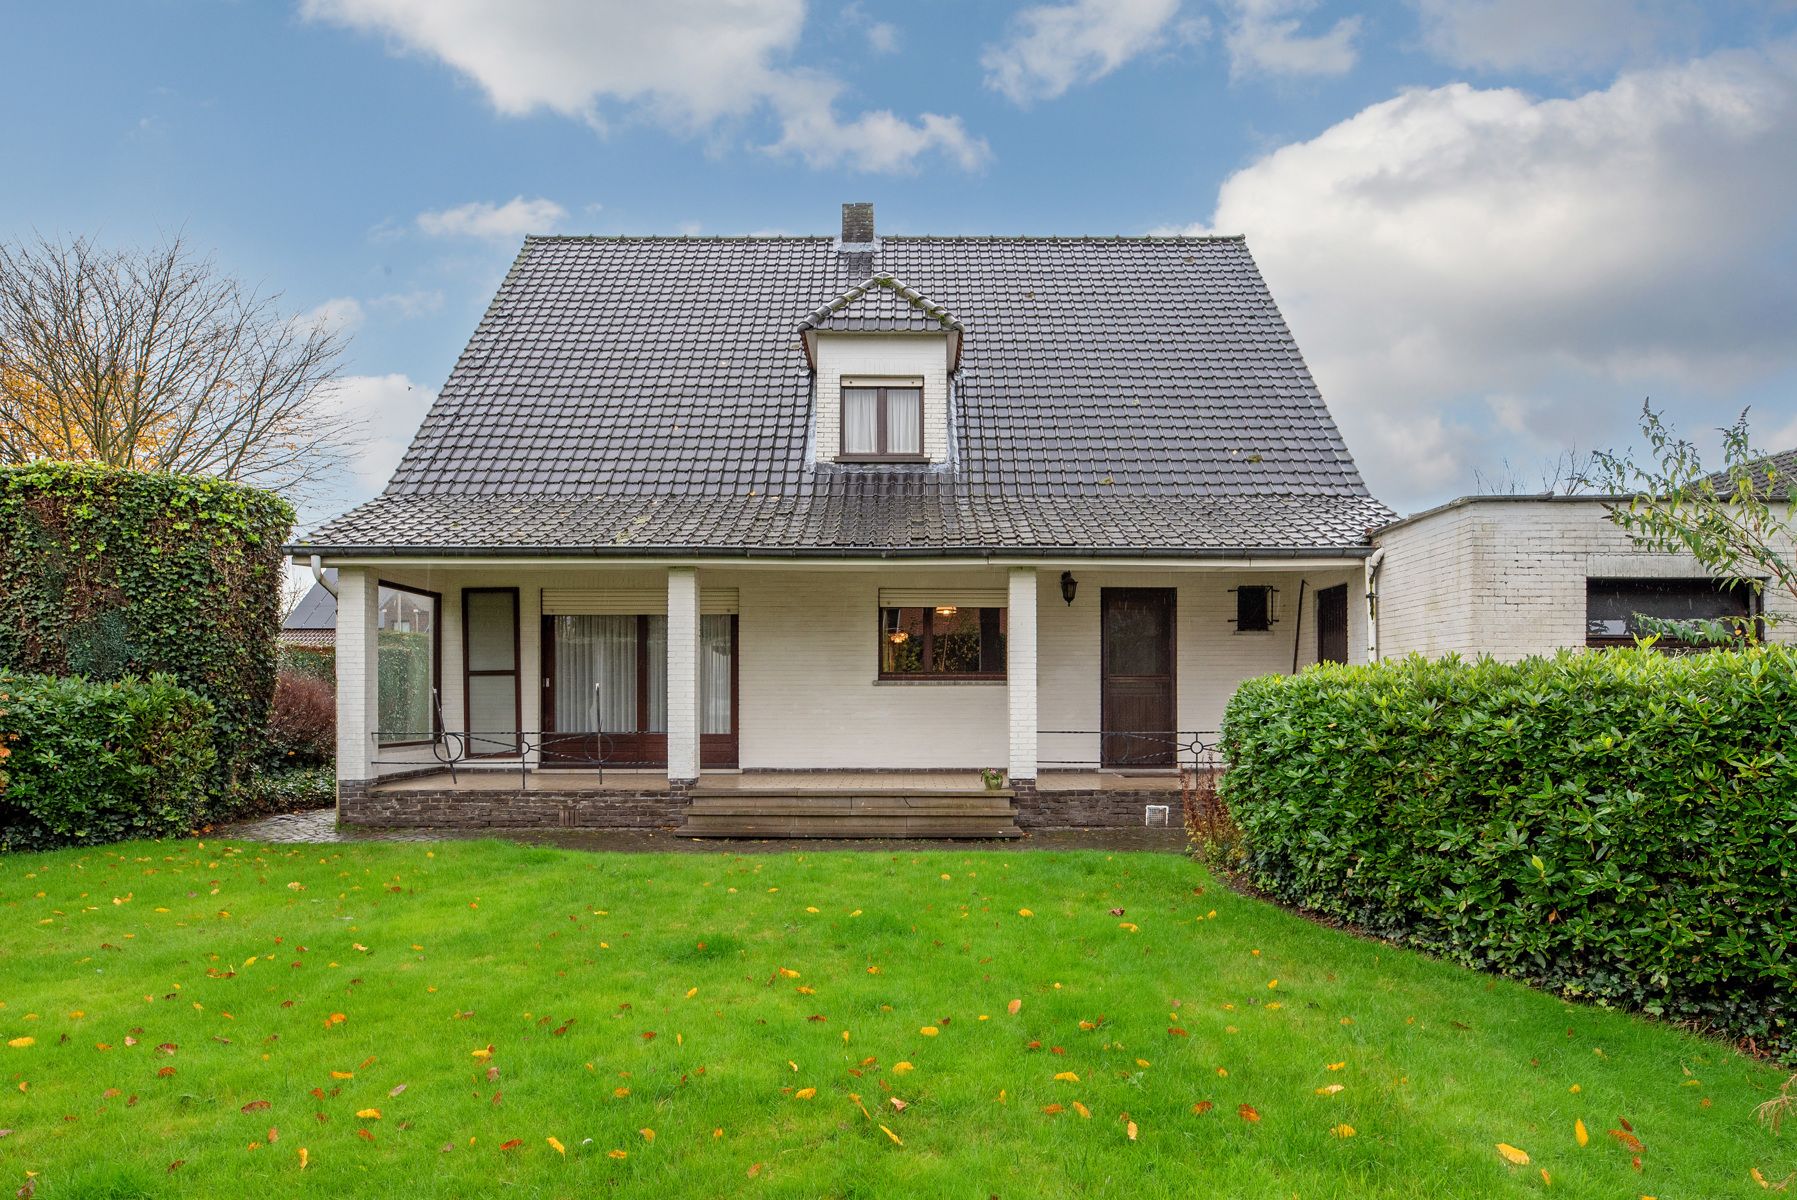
column 882, row 387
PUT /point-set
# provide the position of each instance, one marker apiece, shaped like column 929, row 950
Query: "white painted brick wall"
column 901, row 355
column 355, row 673
column 683, row 673
column 1506, row 577
column 1021, row 671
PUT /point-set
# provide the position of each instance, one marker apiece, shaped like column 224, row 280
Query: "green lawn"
column 522, row 1019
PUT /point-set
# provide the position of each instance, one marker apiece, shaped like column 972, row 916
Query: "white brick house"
column 1512, row 576
column 802, row 534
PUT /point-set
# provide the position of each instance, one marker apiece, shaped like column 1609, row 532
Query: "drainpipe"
column 324, row 581
column 1373, row 563
column 1298, row 626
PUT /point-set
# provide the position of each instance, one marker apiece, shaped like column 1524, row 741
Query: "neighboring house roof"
column 317, row 609
column 309, row 637
column 642, row 395
column 1782, row 465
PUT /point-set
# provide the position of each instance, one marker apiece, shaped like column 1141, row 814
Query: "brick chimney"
column 858, row 226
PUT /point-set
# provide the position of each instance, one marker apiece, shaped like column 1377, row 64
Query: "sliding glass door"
column 606, row 690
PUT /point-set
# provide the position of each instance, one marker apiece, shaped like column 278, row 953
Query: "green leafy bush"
column 100, row 762
column 316, row 662
column 108, row 573
column 1619, row 827
column 278, row 790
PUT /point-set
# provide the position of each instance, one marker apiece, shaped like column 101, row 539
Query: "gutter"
column 819, row 552
column 320, row 578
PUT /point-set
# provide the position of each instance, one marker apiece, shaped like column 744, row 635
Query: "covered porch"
column 792, row 699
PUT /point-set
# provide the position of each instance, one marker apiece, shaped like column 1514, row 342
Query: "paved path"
column 320, row 825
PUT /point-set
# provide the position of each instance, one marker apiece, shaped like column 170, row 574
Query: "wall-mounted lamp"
column 1069, row 587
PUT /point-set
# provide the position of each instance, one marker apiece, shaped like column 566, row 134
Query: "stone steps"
column 849, row 813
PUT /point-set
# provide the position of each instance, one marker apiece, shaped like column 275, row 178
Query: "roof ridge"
column 1127, row 238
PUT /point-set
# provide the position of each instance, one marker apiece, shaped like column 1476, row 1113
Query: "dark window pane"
column 901, row 641
column 1612, row 605
column 946, row 640
column 1253, row 608
column 1138, row 636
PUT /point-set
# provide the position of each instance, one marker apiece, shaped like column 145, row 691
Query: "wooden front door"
column 605, row 691
column 1138, row 689
column 1332, row 624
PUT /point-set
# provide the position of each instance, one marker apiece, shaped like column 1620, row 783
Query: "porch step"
column 849, row 813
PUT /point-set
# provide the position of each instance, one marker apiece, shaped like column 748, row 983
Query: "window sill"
column 942, row 681
column 874, row 460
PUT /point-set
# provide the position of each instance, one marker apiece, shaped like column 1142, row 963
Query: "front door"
column 1137, row 700
column 605, row 690
column 1332, row 624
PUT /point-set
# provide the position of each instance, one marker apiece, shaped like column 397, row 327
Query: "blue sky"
column 1496, row 226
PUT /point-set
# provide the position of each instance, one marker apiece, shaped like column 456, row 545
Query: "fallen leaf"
column 1130, row 1129
column 1579, row 1132
column 648, row 1134
column 255, row 1106
column 1627, row 1139
column 805, row 1093
column 19, row 1043
column 305, row 1157
column 928, row 1031
column 1082, row 1110
column 1329, row 1089
column 896, row 1140
column 615, row 1153
column 368, row 1114
column 1066, row 1077
column 1024, row 912
column 557, row 1147
column 1513, row 1156
column 1247, row 1113
column 1343, row 1131
column 1202, row 1107
column 1014, row 1007
column 897, row 1104
column 1053, row 1109
column 511, row 1145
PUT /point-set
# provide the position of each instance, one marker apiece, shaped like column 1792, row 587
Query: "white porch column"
column 357, row 675
column 1020, row 675
column 683, row 674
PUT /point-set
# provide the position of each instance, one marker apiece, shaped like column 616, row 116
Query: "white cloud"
column 1461, row 263
column 1551, row 35
column 340, row 314
column 687, row 64
column 496, row 222
column 389, row 409
column 1051, row 47
column 420, row 302
column 1264, row 38
column 883, row 37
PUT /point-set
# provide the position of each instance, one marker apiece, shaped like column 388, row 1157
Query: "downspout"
column 1298, row 626
column 1374, row 561
column 323, row 580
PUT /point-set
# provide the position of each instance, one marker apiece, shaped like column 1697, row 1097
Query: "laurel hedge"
column 100, row 762
column 107, row 573
column 1619, row 827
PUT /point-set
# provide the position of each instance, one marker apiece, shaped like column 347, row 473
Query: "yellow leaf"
column 691, row 992
column 1579, row 1132
column 1513, row 1156
column 368, row 1114
column 1066, row 1077
column 557, row 1147
column 810, row 908
column 620, row 1092
column 1014, row 1007
column 305, row 1157
column 896, row 1140
column 19, row 1043
column 1546, row 1179
column 1130, row 1129
column 1082, row 1110
column 793, row 1065
column 1271, row 984
column 805, row 1093
column 1329, row 1089
column 617, row 1154
column 928, row 1031
column 1024, row 912
column 648, row 1134
column 1343, row 1131
column 1335, row 1066
column 900, row 1068
column 789, row 973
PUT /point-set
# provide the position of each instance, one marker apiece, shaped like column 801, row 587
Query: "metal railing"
column 1143, row 749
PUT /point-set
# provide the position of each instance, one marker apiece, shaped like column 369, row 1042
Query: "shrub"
column 108, row 573
column 318, row 662
column 278, row 790
column 302, row 723
column 99, row 762
column 1619, row 827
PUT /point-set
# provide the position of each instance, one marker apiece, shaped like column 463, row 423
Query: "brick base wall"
column 358, row 804
column 1090, row 809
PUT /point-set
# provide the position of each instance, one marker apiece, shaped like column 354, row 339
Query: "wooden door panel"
column 1137, row 688
column 1332, row 624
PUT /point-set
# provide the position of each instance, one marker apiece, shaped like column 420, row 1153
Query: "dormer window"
column 882, row 421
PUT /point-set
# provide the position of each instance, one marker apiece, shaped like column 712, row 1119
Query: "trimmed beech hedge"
column 1620, row 827
column 107, row 573
column 101, row 762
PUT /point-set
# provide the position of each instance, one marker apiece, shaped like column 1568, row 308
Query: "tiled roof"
column 317, row 609
column 883, row 305
column 1136, row 394
column 1782, row 467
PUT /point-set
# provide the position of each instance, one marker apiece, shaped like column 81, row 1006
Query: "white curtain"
column 658, row 675
column 860, row 415
column 595, row 672
column 904, row 424
column 714, row 674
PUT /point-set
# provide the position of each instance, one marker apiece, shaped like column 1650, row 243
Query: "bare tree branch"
column 154, row 360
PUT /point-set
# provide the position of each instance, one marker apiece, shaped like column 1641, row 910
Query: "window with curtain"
column 714, row 674
column 406, row 665
column 611, row 674
column 943, row 642
column 882, row 423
